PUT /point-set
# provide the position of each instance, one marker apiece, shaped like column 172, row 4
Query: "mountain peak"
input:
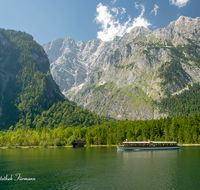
column 26, row 85
column 123, row 78
column 183, row 19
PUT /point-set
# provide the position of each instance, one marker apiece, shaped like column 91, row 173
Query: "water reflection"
column 158, row 166
column 149, row 153
column 198, row 148
column 102, row 168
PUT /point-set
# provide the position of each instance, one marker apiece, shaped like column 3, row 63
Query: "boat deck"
column 148, row 145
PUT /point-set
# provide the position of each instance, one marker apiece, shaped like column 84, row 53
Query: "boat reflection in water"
column 148, row 145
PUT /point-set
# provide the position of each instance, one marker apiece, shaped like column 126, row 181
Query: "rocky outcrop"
column 21, row 66
column 71, row 61
column 127, row 77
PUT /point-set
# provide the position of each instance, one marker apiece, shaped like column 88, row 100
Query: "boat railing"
column 150, row 144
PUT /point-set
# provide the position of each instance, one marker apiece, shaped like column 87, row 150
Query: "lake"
column 99, row 168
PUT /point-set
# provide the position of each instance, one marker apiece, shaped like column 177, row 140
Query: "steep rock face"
column 26, row 85
column 127, row 77
column 71, row 60
column 178, row 31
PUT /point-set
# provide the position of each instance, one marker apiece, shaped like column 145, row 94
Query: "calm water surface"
column 101, row 168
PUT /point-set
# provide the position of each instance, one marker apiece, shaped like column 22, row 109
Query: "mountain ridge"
column 131, row 74
column 29, row 97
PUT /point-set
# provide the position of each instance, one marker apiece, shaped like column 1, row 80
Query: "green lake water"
column 100, row 168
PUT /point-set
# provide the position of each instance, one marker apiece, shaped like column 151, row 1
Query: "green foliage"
column 23, row 41
column 149, row 56
column 135, row 95
column 105, row 87
column 192, row 49
column 169, row 43
column 67, row 114
column 29, row 98
column 185, row 130
column 119, row 66
column 184, row 104
column 115, row 56
column 172, row 72
column 40, row 115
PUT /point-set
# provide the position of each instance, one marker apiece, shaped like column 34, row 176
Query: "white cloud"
column 114, row 1
column 179, row 3
column 115, row 10
column 155, row 9
column 111, row 26
column 123, row 10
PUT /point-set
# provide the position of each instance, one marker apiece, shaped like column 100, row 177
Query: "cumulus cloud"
column 111, row 26
column 155, row 9
column 179, row 3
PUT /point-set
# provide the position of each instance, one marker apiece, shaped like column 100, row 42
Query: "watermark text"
column 15, row 177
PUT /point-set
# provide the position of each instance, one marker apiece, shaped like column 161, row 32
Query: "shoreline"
column 189, row 144
column 27, row 147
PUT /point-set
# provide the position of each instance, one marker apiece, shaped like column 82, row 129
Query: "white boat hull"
column 147, row 148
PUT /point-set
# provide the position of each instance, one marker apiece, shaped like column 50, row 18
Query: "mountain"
column 29, row 97
column 71, row 61
column 128, row 77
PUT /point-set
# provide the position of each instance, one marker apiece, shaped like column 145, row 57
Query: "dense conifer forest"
column 31, row 98
column 37, row 114
column 183, row 130
column 185, row 104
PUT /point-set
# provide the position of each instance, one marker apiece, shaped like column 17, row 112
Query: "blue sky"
column 85, row 20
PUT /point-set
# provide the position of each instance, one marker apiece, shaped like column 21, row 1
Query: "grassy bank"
column 190, row 144
column 25, row 147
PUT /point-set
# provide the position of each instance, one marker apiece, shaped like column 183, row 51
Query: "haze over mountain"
column 128, row 76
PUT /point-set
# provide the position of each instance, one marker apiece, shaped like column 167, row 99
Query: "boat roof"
column 147, row 142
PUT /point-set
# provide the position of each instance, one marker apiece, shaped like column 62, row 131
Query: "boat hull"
column 147, row 148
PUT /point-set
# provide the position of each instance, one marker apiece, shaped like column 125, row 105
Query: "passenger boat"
column 148, row 145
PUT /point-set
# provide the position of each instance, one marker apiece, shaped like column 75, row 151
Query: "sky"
column 84, row 20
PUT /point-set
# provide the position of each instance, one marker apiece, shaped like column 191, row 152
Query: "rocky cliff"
column 26, row 85
column 127, row 77
column 71, row 61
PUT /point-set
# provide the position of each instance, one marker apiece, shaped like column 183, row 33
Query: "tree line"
column 30, row 98
column 185, row 104
column 183, row 130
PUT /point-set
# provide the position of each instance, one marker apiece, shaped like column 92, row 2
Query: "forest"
column 181, row 129
column 35, row 113
column 185, row 104
column 31, row 98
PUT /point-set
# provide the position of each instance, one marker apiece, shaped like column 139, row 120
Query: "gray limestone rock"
column 126, row 77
